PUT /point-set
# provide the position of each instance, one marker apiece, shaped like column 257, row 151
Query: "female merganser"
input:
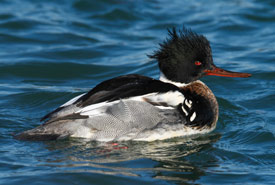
column 135, row 107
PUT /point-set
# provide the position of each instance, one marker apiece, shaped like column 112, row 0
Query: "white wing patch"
column 99, row 108
column 171, row 98
column 95, row 109
column 72, row 100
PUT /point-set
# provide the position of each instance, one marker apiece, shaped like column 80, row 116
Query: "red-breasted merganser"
column 135, row 107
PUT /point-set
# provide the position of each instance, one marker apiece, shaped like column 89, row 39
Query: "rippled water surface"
column 52, row 51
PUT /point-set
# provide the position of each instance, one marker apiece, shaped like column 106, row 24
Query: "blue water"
column 51, row 51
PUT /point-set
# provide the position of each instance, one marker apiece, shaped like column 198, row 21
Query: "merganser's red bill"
column 221, row 72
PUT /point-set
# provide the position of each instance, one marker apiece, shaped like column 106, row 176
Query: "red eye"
column 197, row 63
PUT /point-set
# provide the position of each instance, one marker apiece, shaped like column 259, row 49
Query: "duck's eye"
column 197, row 63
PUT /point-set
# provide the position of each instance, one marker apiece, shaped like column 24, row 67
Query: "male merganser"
column 135, row 107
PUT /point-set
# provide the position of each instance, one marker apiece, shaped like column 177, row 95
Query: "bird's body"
column 135, row 107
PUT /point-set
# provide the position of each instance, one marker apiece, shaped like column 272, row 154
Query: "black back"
column 124, row 87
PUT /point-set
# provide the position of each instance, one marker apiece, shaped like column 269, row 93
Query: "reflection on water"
column 170, row 160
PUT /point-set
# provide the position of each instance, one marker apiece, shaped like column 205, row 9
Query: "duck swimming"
column 135, row 107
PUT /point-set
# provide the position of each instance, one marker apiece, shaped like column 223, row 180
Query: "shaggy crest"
column 181, row 48
column 183, row 42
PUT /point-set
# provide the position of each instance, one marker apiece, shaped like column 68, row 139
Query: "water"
column 52, row 51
